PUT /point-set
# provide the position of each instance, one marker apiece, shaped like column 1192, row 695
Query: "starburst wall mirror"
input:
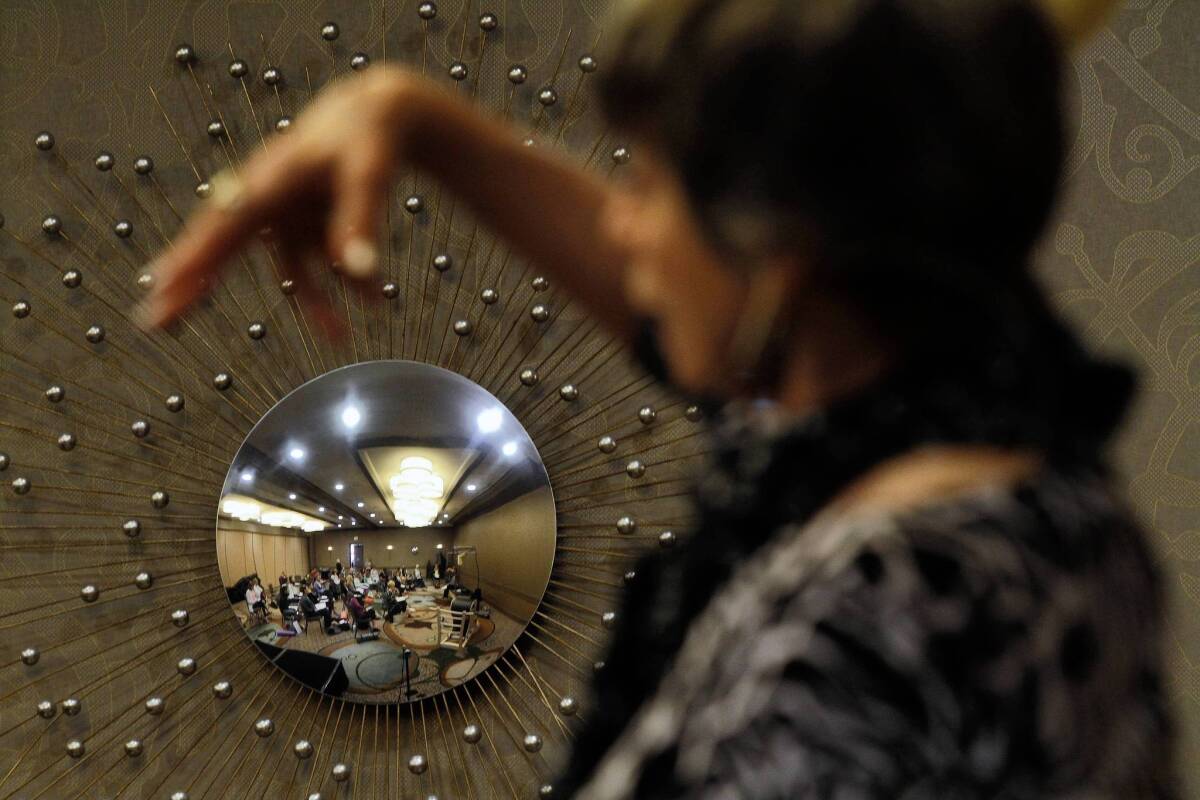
column 418, row 491
column 175, row 622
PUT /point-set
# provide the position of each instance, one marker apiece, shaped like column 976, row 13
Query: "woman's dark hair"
column 912, row 122
column 910, row 149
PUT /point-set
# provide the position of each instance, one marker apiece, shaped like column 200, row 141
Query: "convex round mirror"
column 386, row 532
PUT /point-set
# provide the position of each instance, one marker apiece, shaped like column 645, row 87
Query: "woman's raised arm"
column 323, row 189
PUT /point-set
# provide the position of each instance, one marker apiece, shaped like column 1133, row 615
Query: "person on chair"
column 308, row 607
column 254, row 599
column 357, row 610
column 394, row 601
column 361, row 617
column 336, row 584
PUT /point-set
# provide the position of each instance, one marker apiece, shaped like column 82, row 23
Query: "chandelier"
column 415, row 492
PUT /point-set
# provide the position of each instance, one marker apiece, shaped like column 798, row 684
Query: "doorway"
column 356, row 556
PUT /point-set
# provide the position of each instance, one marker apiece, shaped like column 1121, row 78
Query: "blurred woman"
column 911, row 575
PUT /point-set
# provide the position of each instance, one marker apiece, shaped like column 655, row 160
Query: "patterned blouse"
column 1002, row 642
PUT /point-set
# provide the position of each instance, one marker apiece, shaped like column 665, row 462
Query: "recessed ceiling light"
column 509, row 449
column 372, row 515
column 320, row 509
column 351, row 416
column 360, row 504
column 337, row 487
column 247, row 475
column 489, row 421
column 297, row 453
column 291, row 495
column 471, row 487
column 340, row 517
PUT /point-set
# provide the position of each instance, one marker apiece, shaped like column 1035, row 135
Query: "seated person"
column 254, row 599
column 394, row 602
column 452, row 584
column 308, row 607
column 357, row 609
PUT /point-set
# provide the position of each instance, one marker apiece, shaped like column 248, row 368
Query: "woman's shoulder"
column 1056, row 547
column 1053, row 526
column 1009, row 632
column 1032, row 608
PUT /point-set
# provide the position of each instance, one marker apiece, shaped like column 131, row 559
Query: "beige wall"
column 257, row 548
column 514, row 547
column 375, row 544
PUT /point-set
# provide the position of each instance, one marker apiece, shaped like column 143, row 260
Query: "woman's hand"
column 321, row 189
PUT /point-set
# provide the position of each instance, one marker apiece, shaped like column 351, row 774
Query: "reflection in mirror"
column 386, row 531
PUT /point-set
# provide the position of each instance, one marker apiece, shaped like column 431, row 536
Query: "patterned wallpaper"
column 1122, row 258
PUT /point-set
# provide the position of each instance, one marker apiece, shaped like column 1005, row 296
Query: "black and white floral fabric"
column 1001, row 643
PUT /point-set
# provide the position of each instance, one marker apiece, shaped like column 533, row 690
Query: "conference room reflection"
column 386, row 532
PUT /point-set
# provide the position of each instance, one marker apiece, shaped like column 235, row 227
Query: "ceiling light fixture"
column 509, row 449
column 291, row 495
column 351, row 416
column 337, row 487
column 241, row 509
column 415, row 492
column 247, row 510
column 297, row 453
column 489, row 421
column 471, row 487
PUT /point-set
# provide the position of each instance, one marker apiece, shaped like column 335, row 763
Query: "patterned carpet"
column 376, row 668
